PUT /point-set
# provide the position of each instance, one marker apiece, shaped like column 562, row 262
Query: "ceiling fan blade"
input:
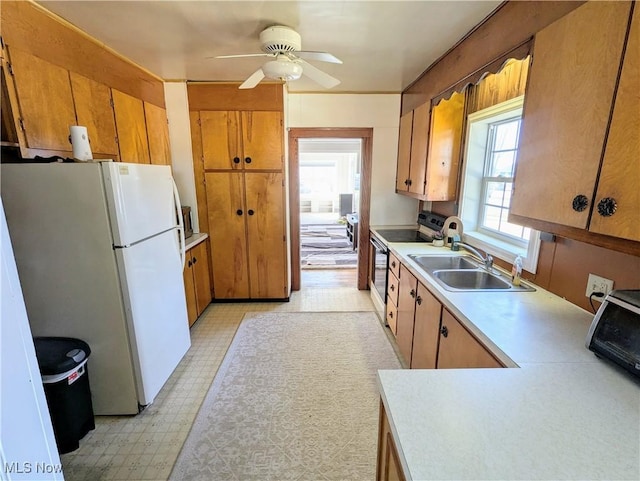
column 317, row 75
column 253, row 80
column 245, row 55
column 320, row 56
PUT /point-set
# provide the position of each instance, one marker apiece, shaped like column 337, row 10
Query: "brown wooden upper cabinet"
column 567, row 110
column 412, row 152
column 131, row 127
column 42, row 102
column 157, row 134
column 242, row 140
column 429, row 150
column 94, row 110
column 445, row 142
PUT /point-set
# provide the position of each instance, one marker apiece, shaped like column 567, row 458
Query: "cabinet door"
column 404, row 152
column 620, row 174
column 202, row 281
column 262, row 140
column 389, row 468
column 189, row 289
column 426, row 331
column 419, row 139
column 566, row 110
column 445, row 141
column 406, row 311
column 266, row 235
column 225, row 198
column 221, row 140
column 93, row 109
column 459, row 349
column 157, row 134
column 131, row 128
column 45, row 101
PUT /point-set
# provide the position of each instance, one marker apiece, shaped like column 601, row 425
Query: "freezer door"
column 156, row 310
column 141, row 200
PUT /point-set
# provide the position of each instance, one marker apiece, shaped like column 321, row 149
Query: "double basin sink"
column 464, row 273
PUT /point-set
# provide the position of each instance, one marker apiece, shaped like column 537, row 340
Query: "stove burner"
column 403, row 235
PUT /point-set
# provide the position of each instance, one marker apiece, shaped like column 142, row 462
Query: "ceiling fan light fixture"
column 282, row 70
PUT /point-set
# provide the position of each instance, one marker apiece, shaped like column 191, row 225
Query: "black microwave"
column 615, row 331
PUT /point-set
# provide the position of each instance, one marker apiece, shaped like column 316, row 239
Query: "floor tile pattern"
column 145, row 447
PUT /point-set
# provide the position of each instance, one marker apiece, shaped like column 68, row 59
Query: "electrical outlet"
column 598, row 284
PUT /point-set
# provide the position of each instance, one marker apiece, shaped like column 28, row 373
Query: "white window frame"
column 499, row 246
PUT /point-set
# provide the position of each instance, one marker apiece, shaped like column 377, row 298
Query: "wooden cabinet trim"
column 226, row 96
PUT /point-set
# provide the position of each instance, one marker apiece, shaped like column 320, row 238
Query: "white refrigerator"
column 100, row 253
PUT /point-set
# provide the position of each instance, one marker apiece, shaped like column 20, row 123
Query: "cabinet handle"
column 250, row 212
column 195, row 260
column 406, row 182
column 444, row 331
column 393, row 264
column 239, row 212
column 418, row 300
column 247, row 160
column 391, row 314
column 607, row 207
column 236, row 160
column 189, row 263
column 580, row 203
column 412, row 293
column 392, row 288
column 409, row 184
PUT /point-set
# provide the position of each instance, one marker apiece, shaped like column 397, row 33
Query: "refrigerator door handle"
column 176, row 198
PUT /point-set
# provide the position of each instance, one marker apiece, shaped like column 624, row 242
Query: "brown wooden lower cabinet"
column 459, row 349
column 389, row 468
column 197, row 281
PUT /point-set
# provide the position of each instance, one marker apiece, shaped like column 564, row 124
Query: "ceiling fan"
column 284, row 45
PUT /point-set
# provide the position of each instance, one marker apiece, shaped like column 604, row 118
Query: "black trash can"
column 63, row 366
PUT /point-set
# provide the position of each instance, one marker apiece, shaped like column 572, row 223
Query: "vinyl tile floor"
column 145, row 447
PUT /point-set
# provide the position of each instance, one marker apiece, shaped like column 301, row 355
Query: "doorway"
column 330, row 192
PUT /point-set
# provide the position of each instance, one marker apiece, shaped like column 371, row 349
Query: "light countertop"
column 195, row 239
column 564, row 414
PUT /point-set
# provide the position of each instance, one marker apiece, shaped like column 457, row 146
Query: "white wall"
column 380, row 111
column 177, row 104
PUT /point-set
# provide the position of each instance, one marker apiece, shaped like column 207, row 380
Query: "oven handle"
column 378, row 245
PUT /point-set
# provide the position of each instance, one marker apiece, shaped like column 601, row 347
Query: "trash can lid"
column 59, row 354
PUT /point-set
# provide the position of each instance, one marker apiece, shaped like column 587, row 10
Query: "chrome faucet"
column 487, row 259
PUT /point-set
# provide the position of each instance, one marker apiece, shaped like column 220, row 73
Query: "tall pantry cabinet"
column 238, row 144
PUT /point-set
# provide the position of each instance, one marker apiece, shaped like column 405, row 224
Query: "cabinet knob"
column 247, row 160
column 236, row 160
column 444, row 331
column 195, row 260
column 392, row 288
column 412, row 293
column 409, row 184
column 189, row 263
column 419, row 300
column 607, row 207
column 580, row 203
column 391, row 314
column 239, row 212
column 406, row 182
column 393, row 264
column 250, row 212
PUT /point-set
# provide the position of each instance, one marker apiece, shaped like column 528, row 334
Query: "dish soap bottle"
column 516, row 271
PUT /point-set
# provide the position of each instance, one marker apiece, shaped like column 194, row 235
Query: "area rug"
column 294, row 399
column 326, row 246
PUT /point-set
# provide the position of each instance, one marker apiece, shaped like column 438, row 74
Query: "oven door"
column 379, row 267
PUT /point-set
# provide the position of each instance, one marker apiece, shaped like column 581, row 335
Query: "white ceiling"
column 385, row 45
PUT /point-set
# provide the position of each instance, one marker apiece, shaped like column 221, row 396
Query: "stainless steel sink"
column 464, row 273
column 475, row 279
column 434, row 263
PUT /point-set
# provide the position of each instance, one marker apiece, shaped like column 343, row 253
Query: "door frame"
column 366, row 135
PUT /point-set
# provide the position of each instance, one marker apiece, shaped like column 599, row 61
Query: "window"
column 490, row 162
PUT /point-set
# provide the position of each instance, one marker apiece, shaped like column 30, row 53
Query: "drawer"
column 392, row 316
column 394, row 265
column 392, row 287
